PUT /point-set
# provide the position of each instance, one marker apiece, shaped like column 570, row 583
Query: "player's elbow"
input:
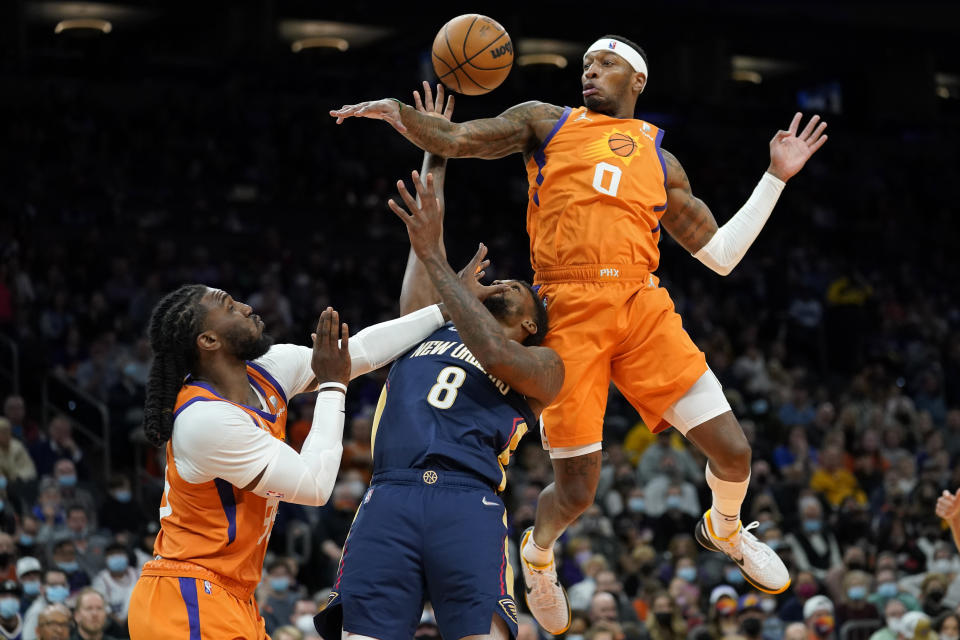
column 724, row 269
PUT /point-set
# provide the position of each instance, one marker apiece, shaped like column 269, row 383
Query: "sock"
column 535, row 554
column 727, row 498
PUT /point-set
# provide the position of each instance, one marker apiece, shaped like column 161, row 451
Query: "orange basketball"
column 472, row 54
column 622, row 144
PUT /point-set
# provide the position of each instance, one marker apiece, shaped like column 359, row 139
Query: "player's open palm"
column 472, row 274
column 331, row 349
column 430, row 107
column 790, row 150
column 424, row 220
column 948, row 505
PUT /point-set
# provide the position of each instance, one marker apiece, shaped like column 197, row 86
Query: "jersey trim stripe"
column 263, row 414
column 229, row 503
column 540, row 156
column 190, row 402
column 188, row 590
column 663, row 166
column 273, row 381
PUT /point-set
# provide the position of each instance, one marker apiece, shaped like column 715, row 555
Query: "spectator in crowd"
column 120, row 512
column 948, row 627
column 915, row 625
column 892, row 612
column 27, row 534
column 53, row 623
column 832, row 479
column 887, row 588
column 795, row 631
column 55, row 591
column 606, row 580
column 11, row 622
column 90, row 616
column 64, row 557
column 603, row 608
column 15, row 410
column 116, row 582
column 604, row 631
column 71, row 492
column 277, row 604
column 29, row 576
column 287, row 632
column 15, row 462
column 932, row 591
column 8, row 513
column 750, row 617
column 49, row 510
column 665, row 621
column 853, row 603
column 804, row 587
column 59, row 444
column 302, row 617
column 814, row 546
column 818, row 617
column 8, row 558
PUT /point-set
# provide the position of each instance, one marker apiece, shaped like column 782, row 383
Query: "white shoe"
column 759, row 564
column 543, row 593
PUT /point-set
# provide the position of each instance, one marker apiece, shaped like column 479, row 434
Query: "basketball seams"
column 446, row 36
column 458, row 66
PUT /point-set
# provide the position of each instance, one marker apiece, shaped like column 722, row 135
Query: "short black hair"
column 540, row 317
column 643, row 54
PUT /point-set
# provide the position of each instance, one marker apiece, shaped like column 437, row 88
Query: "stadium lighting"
column 88, row 24
column 744, row 75
column 320, row 42
column 542, row 58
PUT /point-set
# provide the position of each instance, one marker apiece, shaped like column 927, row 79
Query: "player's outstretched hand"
column 472, row 274
column 948, row 505
column 387, row 109
column 331, row 348
column 424, row 220
column 430, row 107
column 789, row 151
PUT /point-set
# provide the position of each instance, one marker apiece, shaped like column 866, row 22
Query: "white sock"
column 535, row 554
column 727, row 498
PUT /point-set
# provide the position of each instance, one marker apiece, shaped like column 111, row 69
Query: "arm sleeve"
column 381, row 343
column 238, row 451
column 730, row 243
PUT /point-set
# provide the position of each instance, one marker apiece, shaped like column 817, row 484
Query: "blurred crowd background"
column 837, row 339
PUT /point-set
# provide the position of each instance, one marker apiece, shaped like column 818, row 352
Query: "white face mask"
column 305, row 625
column 949, row 636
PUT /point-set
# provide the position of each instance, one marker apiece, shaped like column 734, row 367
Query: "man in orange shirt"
column 601, row 191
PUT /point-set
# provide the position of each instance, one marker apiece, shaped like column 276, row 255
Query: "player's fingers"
column 323, row 327
column 428, row 95
column 817, row 133
column 448, row 111
column 334, row 328
column 344, row 338
column 438, row 105
column 407, row 198
column 400, row 211
column 792, row 129
column 819, row 143
column 417, row 102
column 313, row 338
column 807, row 130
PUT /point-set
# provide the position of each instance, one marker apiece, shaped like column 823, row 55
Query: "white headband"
column 623, row 50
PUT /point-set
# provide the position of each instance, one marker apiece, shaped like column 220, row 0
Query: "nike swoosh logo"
column 488, row 504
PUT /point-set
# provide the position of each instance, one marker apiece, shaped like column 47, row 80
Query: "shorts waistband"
column 432, row 478
column 593, row 273
column 181, row 569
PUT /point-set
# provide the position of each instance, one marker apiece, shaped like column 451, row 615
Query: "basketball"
column 622, row 144
column 472, row 54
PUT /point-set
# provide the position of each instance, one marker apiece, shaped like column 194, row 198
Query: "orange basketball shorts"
column 164, row 607
column 620, row 330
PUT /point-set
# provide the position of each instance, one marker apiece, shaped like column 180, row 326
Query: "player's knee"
column 574, row 498
column 735, row 459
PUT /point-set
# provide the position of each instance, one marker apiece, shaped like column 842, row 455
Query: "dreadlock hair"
column 540, row 309
column 174, row 325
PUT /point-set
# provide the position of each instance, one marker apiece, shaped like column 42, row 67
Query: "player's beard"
column 246, row 346
column 497, row 306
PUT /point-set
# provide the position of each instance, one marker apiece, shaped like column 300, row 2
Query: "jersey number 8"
column 449, row 381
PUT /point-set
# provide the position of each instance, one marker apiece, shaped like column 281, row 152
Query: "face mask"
column 674, row 502
column 806, row 590
column 26, row 540
column 774, row 544
column 305, row 624
column 812, row 526
column 578, row 636
column 823, row 626
column 687, row 573
column 768, row 605
column 57, row 592
column 887, row 589
column 123, row 496
column 941, row 565
column 3, row 482
column 31, row 587
column 280, row 584
column 857, row 593
column 67, row 481
column 893, row 623
column 9, row 607
column 636, row 505
column 68, row 567
column 752, row 626
column 2, row 505
column 734, row 576
column 948, row 636
column 117, row 563
column 936, row 595
column 663, row 618
column 764, row 527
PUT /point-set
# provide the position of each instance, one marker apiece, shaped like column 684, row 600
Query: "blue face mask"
column 637, row 505
column 67, row 481
column 3, row 482
column 812, row 526
column 117, row 563
column 9, row 607
column 687, row 573
column 68, row 567
column 280, row 584
column 57, row 592
column 857, row 593
column 26, row 540
column 123, row 496
column 31, row 587
column 888, row 589
column 674, row 502
column 774, row 543
column 3, row 505
column 733, row 576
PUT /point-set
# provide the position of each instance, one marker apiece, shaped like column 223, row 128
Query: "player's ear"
column 208, row 341
column 639, row 82
column 529, row 325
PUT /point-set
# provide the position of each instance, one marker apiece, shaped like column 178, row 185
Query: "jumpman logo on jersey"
column 583, row 116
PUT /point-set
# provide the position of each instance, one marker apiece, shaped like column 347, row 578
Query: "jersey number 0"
column 449, row 381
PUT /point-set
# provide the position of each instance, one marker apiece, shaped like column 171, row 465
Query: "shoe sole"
column 524, row 563
column 703, row 538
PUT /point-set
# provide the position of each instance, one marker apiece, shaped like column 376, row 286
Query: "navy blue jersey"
column 440, row 409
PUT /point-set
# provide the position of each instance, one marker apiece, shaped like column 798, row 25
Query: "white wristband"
column 332, row 385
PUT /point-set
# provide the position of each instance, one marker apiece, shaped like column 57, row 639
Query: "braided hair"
column 174, row 326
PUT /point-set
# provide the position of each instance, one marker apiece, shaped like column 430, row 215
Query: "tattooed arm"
column 536, row 372
column 688, row 219
column 519, row 129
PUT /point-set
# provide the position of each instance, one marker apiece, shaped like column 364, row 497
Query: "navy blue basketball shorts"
column 423, row 535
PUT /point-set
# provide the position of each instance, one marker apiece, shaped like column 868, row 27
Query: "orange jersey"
column 214, row 525
column 597, row 191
